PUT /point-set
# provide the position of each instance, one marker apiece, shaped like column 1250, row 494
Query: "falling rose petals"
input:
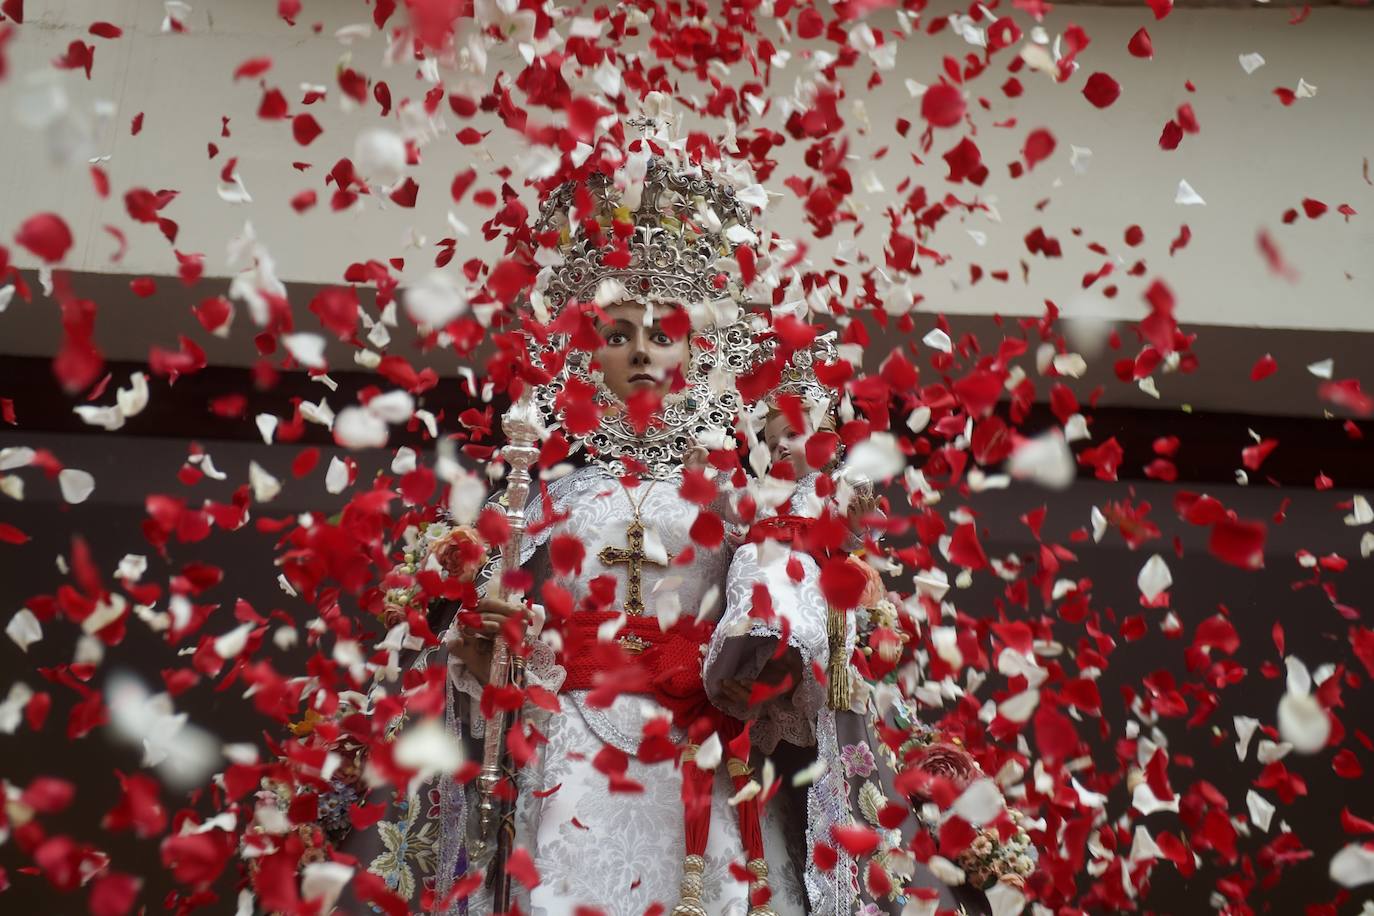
column 1353, row 866
column 1101, row 90
column 1264, row 367
column 942, row 105
column 1239, row 543
column 1302, row 720
column 1160, row 8
column 1039, row 146
column 429, row 749
column 46, row 236
column 76, row 485
column 24, row 629
column 252, row 68
column 305, row 129
column 1154, row 578
column 1140, row 45
column 1185, row 196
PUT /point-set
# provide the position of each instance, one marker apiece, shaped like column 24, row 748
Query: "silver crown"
column 799, row 375
column 682, row 223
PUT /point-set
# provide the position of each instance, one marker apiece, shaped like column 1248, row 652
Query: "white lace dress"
column 622, row 853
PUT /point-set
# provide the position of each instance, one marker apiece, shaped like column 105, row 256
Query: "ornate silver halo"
column 702, row 413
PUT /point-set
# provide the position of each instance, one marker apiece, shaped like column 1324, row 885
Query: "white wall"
column 1253, row 159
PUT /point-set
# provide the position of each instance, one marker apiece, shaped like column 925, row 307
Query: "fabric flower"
column 460, row 552
column 948, row 761
column 857, row 760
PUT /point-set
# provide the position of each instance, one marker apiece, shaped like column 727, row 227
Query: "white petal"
column 1261, row 810
column 267, row 426
column 393, row 407
column 336, row 478
column 379, row 155
column 1245, row 730
column 1154, row 577
column 1145, row 801
column 878, row 458
column 1005, row 900
column 1269, row 751
column 1353, row 865
column 809, row 774
column 980, row 803
column 429, row 748
column 133, row 399
column 434, row 301
column 1361, row 512
column 132, row 567
column 1045, row 460
column 12, row 709
column 306, row 348
column 1187, row 197
column 324, row 881
column 76, row 485
column 1303, row 722
column 356, row 427
column 405, row 460
column 1322, row 368
column 710, row 752
column 1018, row 707
column 946, row 871
column 24, row 629
column 232, row 643
column 1299, row 679
column 1251, row 62
column 265, row 486
column 1076, row 428
column 107, row 418
column 16, row 456
column 1143, row 846
column 938, row 340
column 6, row 295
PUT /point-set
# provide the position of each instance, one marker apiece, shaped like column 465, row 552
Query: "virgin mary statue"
column 632, row 792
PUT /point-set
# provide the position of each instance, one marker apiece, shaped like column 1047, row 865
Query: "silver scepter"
column 522, row 427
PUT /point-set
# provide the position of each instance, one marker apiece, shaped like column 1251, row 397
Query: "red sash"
column 646, row 660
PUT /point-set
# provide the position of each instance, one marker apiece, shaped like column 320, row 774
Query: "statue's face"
column 783, row 443
column 787, row 445
column 635, row 356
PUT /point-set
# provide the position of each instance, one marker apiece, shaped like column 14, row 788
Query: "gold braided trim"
column 693, row 870
column 837, row 694
column 738, row 768
column 689, row 753
column 759, row 869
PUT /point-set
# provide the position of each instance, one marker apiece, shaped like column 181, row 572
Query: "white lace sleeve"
column 742, row 645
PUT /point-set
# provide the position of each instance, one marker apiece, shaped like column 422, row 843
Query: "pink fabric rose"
column 460, row 552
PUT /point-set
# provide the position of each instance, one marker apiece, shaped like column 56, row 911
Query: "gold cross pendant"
column 634, row 558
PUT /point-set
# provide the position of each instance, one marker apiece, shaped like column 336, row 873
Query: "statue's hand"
column 785, row 668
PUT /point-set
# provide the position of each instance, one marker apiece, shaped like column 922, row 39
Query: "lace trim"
column 830, row 893
column 792, row 719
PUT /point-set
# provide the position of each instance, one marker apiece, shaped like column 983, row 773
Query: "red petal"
column 943, row 105
column 1140, row 44
column 46, row 235
column 1101, row 90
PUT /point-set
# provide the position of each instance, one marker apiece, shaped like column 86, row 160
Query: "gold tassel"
column 837, row 626
column 759, row 869
column 693, row 872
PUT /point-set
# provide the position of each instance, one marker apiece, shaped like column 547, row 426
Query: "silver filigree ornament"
column 799, row 375
column 685, row 224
